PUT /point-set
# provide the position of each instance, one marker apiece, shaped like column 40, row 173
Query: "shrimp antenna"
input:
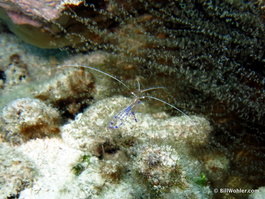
column 153, row 88
column 100, row 71
column 172, row 106
column 147, row 89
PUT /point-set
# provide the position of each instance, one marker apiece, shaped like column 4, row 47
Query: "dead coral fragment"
column 31, row 118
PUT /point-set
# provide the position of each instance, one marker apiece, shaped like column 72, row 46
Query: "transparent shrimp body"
column 129, row 111
column 122, row 116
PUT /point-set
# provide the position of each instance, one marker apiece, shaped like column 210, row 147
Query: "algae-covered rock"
column 30, row 118
column 90, row 160
column 17, row 172
column 69, row 91
column 155, row 151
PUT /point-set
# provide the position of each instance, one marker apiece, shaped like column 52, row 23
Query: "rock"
column 17, row 171
column 30, row 118
column 34, row 21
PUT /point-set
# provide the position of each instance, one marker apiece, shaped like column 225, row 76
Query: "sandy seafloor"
column 44, row 154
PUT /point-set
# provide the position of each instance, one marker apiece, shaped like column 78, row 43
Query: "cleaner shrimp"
column 122, row 115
